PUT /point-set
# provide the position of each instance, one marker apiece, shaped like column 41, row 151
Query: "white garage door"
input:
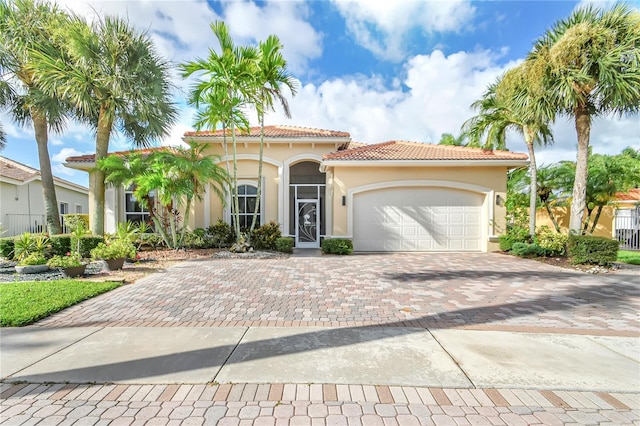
column 417, row 219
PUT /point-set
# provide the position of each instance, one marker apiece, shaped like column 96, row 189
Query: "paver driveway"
column 483, row 291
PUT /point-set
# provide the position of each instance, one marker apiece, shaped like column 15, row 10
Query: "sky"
column 380, row 70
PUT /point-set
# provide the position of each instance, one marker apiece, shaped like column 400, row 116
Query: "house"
column 21, row 201
column 391, row 196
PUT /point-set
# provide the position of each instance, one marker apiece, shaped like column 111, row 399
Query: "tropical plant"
column 116, row 249
column 450, row 140
column 30, row 32
column 33, row 259
column 587, row 66
column 508, row 104
column 27, row 244
column 70, row 260
column 271, row 78
column 115, row 80
column 228, row 81
column 176, row 177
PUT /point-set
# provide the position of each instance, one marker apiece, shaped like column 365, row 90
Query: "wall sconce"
column 344, row 200
column 499, row 200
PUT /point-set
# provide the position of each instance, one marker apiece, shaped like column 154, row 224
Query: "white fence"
column 627, row 226
column 16, row 224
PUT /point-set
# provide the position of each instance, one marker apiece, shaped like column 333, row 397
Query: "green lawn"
column 22, row 303
column 627, row 256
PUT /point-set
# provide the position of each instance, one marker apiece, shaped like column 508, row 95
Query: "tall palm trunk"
column 226, row 156
column 583, row 129
column 48, row 187
column 236, row 205
column 533, row 190
column 96, row 183
column 260, row 161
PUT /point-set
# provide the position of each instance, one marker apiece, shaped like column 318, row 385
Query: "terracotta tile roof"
column 17, row 171
column 276, row 132
column 403, row 150
column 631, row 195
column 91, row 158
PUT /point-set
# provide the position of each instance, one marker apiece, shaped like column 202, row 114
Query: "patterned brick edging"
column 315, row 404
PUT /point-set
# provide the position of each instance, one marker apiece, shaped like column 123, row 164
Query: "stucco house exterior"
column 21, row 201
column 391, row 196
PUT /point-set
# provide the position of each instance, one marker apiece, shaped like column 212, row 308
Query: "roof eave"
column 424, row 163
column 80, row 165
column 256, row 139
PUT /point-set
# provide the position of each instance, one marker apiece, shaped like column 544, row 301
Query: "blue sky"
column 379, row 70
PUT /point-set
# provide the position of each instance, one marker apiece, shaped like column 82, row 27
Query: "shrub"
column 114, row 250
column 514, row 235
column 527, row 250
column 60, row 244
column 221, row 234
column 594, row 250
column 337, row 246
column 264, row 237
column 195, row 240
column 69, row 260
column 553, row 243
column 6, row 248
column 285, row 244
column 150, row 240
column 87, row 243
column 71, row 221
column 33, row 259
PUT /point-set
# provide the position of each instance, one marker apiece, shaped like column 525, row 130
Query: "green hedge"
column 527, row 250
column 514, row 235
column 265, row 237
column 60, row 244
column 337, row 246
column 88, row 243
column 285, row 244
column 6, row 247
column 71, row 220
column 594, row 250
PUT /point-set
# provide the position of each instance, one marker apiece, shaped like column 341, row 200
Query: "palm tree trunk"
column 96, row 183
column 186, row 223
column 585, row 226
column 552, row 217
column 533, row 189
column 226, row 156
column 259, row 192
column 578, row 204
column 236, row 205
column 596, row 219
column 46, row 176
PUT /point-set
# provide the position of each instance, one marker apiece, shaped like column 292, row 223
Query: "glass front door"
column 307, row 229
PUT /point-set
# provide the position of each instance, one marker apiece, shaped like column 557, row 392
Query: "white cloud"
column 64, row 153
column 436, row 99
column 383, row 27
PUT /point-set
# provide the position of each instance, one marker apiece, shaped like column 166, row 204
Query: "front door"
column 307, row 229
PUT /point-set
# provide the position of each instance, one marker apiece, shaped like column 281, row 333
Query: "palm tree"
column 588, row 65
column 116, row 81
column 231, row 80
column 28, row 28
column 508, row 105
column 271, row 76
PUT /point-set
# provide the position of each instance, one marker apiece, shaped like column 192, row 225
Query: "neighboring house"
column 392, row 196
column 620, row 219
column 21, row 201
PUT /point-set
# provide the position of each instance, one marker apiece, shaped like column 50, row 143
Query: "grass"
column 626, row 256
column 22, row 303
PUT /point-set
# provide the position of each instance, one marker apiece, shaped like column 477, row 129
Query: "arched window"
column 247, row 195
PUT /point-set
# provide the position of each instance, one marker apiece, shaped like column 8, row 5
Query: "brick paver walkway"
column 482, row 291
column 303, row 404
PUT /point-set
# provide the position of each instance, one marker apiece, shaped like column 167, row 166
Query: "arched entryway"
column 307, row 203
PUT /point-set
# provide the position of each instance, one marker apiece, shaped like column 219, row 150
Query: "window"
column 247, row 195
column 134, row 210
column 78, row 209
column 64, row 208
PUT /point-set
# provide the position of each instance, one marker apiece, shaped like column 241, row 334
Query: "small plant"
column 553, row 243
column 514, row 235
column 264, row 237
column 127, row 231
column 6, row 248
column 527, row 250
column 285, row 244
column 70, row 260
column 221, row 234
column 337, row 246
column 33, row 259
column 114, row 250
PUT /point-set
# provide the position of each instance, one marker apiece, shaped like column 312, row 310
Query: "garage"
column 417, row 219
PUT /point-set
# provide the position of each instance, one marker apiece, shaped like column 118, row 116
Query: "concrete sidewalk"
column 356, row 355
